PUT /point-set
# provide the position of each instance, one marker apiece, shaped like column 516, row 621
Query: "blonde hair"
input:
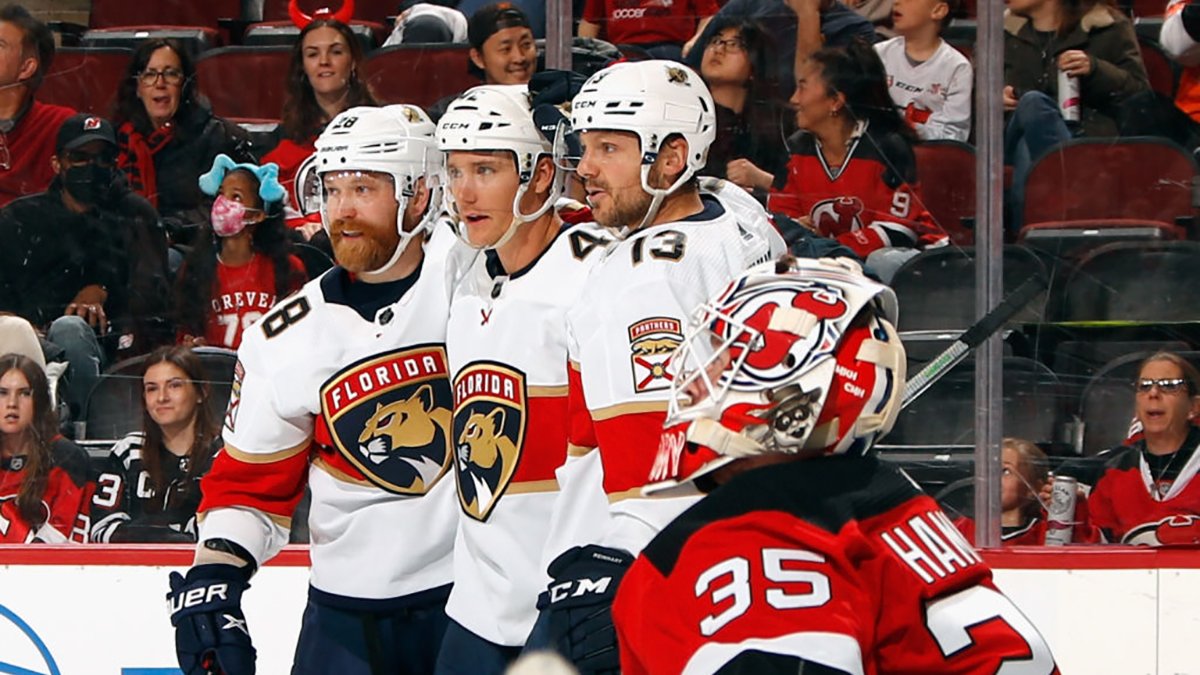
column 1034, row 469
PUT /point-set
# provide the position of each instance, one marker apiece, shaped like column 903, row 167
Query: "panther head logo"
column 407, row 424
column 482, row 441
column 489, row 432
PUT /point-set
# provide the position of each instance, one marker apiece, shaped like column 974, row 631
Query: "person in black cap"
column 502, row 48
column 85, row 261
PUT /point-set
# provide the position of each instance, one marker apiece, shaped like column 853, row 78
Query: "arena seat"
column 1081, row 359
column 195, row 39
column 219, row 365
column 1144, row 178
column 1148, row 7
column 127, row 13
column 276, row 33
column 1145, row 282
column 420, row 75
column 85, row 79
column 1034, row 407
column 1106, row 406
column 245, row 82
column 1163, row 73
column 377, row 11
column 1073, row 237
column 946, row 172
column 316, row 261
column 936, row 289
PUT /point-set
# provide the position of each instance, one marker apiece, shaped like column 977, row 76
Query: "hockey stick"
column 972, row 338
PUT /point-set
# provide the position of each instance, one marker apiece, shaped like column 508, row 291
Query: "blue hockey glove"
column 210, row 630
column 578, row 606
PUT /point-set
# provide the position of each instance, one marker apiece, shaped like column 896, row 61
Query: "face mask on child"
column 228, row 216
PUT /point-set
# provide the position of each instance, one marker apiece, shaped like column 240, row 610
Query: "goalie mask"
column 806, row 361
column 397, row 140
column 497, row 117
column 654, row 100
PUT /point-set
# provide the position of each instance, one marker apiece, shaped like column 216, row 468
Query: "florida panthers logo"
column 390, row 417
column 1180, row 530
column 835, row 216
column 652, row 342
column 489, row 432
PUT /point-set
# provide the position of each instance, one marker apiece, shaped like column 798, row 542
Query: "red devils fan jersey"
column 507, row 340
column 840, row 562
column 870, row 202
column 622, row 332
column 240, row 296
column 1135, row 503
column 65, row 502
column 362, row 370
column 1033, row 531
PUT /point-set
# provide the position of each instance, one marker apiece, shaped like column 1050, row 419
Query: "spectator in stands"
column 1147, row 493
column 86, row 260
column 150, row 488
column 665, row 30
column 502, row 48
column 798, row 27
column 929, row 80
column 878, row 12
column 1180, row 39
column 27, row 126
column 1087, row 39
column 45, row 489
column 427, row 23
column 241, row 263
column 323, row 80
column 167, row 134
column 752, row 121
column 1023, row 493
column 852, row 174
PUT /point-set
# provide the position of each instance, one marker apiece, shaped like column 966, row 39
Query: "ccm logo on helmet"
column 584, row 104
column 456, row 125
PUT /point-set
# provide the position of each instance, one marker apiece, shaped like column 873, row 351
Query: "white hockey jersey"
column 630, row 319
column 361, row 369
column 508, row 351
column 935, row 95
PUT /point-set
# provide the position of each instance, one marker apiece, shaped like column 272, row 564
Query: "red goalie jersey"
column 838, row 565
column 870, row 202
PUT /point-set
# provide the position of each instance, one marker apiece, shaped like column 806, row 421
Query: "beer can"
column 1060, row 519
column 1068, row 96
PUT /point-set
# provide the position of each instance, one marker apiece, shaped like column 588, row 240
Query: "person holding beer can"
column 1068, row 67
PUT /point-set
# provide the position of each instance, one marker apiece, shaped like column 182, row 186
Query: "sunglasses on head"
column 1165, row 385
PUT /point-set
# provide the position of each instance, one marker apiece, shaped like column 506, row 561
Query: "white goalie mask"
column 801, row 361
column 654, row 100
column 497, row 117
column 397, row 140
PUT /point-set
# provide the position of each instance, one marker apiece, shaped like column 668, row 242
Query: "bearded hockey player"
column 508, row 352
column 808, row 554
column 344, row 385
column 644, row 129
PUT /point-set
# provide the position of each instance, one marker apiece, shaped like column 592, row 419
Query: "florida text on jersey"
column 360, row 369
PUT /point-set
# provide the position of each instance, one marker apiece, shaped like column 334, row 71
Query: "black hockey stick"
column 972, row 338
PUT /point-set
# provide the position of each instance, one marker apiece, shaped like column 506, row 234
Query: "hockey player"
column 345, row 384
column 809, row 554
column 644, row 130
column 508, row 352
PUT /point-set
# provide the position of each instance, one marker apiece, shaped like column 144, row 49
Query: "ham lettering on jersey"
column 931, row 546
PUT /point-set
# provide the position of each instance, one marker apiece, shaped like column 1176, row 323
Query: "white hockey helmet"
column 655, row 100
column 397, row 140
column 801, row 361
column 497, row 117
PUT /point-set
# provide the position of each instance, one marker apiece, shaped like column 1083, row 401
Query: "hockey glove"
column 210, row 630
column 578, row 605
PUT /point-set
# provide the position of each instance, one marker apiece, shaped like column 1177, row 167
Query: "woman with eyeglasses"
column 1147, row 492
column 753, row 122
column 167, row 134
